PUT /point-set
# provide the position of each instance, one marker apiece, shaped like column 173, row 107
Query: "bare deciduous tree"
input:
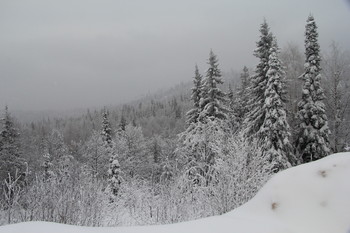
column 337, row 71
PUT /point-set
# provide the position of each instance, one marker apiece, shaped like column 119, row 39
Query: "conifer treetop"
column 106, row 128
column 258, row 82
column 213, row 98
column 193, row 114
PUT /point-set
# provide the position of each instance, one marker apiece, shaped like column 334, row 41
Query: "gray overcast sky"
column 78, row 53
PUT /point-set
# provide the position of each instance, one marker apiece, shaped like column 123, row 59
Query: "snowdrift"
column 310, row 198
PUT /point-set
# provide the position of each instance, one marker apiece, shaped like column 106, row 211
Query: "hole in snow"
column 274, row 205
column 323, row 173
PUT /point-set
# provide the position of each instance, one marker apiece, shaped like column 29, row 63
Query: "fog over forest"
column 61, row 55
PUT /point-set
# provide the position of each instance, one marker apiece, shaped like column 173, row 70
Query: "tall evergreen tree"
column 313, row 140
column 273, row 135
column 121, row 127
column 266, row 123
column 201, row 139
column 113, row 172
column 255, row 117
column 122, row 123
column 114, row 177
column 11, row 161
column 213, row 98
column 192, row 115
column 106, row 128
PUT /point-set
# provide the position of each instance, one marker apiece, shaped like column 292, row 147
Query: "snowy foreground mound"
column 311, row 198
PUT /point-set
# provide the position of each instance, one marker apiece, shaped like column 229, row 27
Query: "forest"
column 199, row 149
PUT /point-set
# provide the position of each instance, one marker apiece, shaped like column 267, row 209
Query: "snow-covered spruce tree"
column 273, row 136
column 114, row 177
column 108, row 149
column 122, row 123
column 255, row 117
column 106, row 128
column 200, row 142
column 11, row 161
column 313, row 142
column 193, row 114
column 213, row 98
column 266, row 123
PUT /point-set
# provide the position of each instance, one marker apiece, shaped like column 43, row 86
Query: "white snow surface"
column 310, row 198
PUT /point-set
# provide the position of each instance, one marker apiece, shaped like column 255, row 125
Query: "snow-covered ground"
column 310, row 198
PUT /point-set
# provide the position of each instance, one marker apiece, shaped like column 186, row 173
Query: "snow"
column 310, row 198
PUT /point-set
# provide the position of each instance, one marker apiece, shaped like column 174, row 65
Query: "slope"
column 310, row 198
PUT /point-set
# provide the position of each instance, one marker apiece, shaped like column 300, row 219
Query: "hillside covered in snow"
column 310, row 198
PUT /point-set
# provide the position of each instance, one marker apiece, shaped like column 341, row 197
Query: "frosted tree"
column 114, row 176
column 108, row 151
column 273, row 136
column 97, row 154
column 313, row 142
column 230, row 97
column 201, row 147
column 132, row 152
column 11, row 161
column 122, row 123
column 200, row 142
column 213, row 98
column 337, row 70
column 266, row 123
column 47, row 166
column 293, row 61
column 193, row 114
column 60, row 156
column 106, row 128
column 240, row 106
column 255, row 117
column 232, row 103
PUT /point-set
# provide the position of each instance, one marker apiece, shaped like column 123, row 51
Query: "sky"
column 70, row 54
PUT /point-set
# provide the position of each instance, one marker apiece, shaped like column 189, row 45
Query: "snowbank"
column 311, row 198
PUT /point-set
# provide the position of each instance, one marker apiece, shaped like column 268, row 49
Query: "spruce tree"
column 121, row 127
column 255, row 117
column 266, row 122
column 122, row 123
column 192, row 115
column 11, row 162
column 213, row 98
column 106, row 128
column 273, row 135
column 313, row 140
column 113, row 171
column 114, row 177
column 202, row 138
